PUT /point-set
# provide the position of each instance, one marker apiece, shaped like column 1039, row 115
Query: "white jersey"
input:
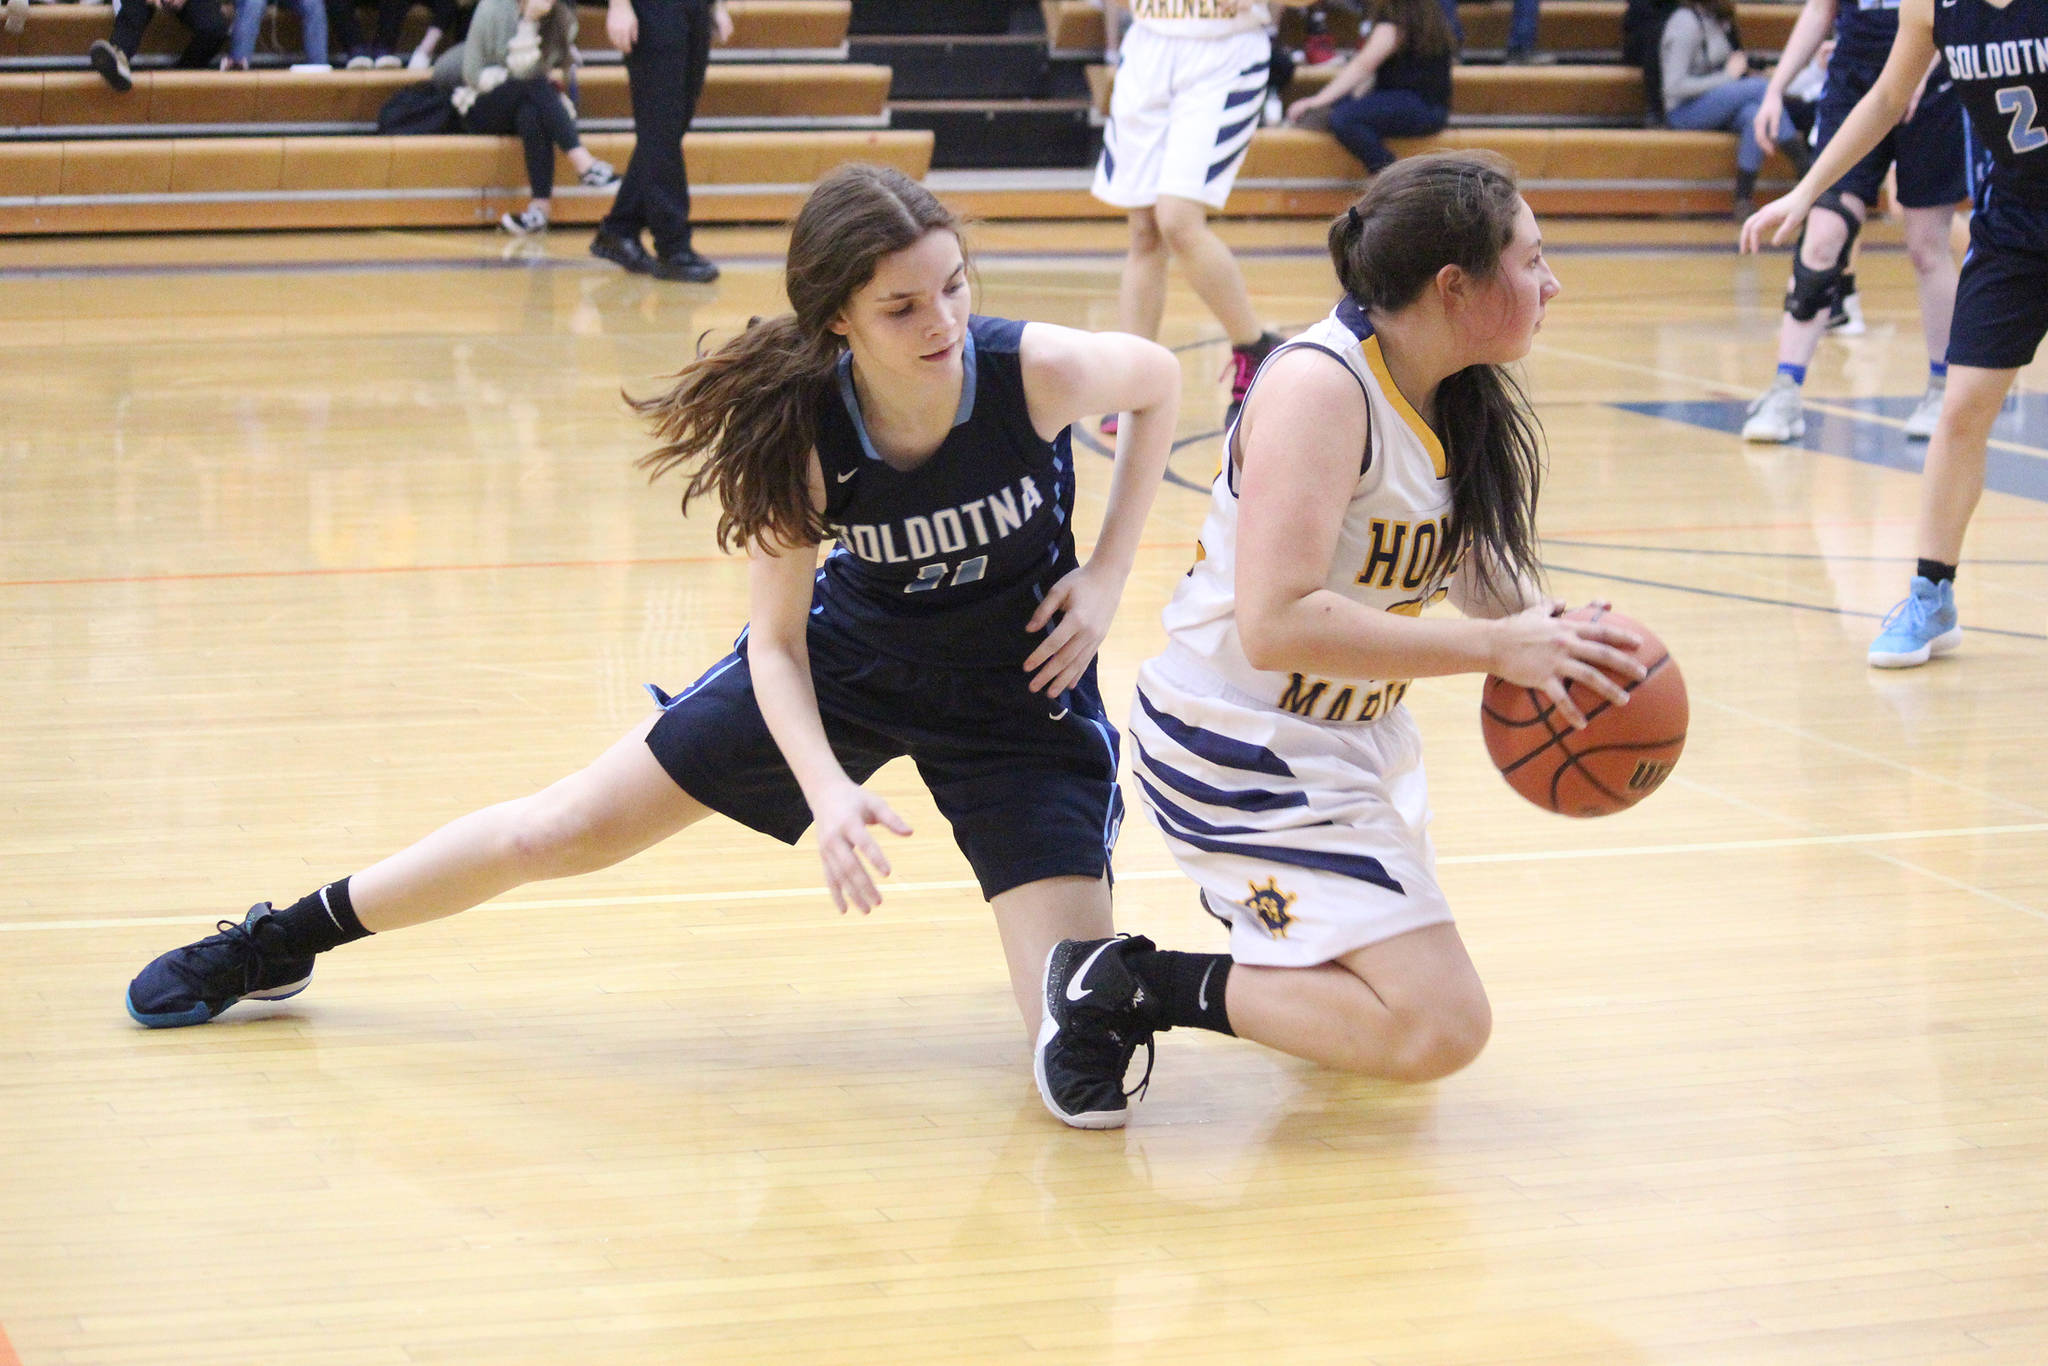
column 1387, row 556
column 1197, row 18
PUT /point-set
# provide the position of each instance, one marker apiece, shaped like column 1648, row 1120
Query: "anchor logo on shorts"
column 1270, row 905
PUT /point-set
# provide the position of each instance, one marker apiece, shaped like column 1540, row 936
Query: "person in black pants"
column 209, row 33
column 667, row 45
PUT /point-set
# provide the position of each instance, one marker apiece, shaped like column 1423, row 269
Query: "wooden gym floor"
column 309, row 544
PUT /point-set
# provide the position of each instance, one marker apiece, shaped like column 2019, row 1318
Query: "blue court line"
column 2022, row 473
column 1822, row 608
column 1770, row 554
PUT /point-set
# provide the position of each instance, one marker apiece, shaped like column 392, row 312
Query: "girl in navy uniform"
column 1997, row 55
column 951, row 622
column 1930, row 151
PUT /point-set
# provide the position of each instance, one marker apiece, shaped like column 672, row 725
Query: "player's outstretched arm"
column 1809, row 31
column 1876, row 114
column 779, row 580
column 1070, row 375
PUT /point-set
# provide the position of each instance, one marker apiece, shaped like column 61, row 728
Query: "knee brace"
column 1812, row 291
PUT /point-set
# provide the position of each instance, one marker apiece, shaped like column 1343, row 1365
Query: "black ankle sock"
column 1937, row 571
column 1184, row 988
column 321, row 921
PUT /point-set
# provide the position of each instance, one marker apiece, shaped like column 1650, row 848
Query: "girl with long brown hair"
column 1385, row 460
column 952, row 621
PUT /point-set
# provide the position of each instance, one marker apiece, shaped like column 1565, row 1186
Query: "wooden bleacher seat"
column 182, row 184
column 784, row 28
column 1522, row 94
column 1565, row 170
column 732, row 94
column 1073, row 26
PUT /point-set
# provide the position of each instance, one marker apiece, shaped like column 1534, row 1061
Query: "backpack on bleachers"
column 422, row 108
column 1642, row 39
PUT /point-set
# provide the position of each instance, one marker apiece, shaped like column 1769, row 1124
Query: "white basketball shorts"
column 1308, row 840
column 1181, row 117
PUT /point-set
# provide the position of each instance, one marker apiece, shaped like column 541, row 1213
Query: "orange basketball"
column 1622, row 755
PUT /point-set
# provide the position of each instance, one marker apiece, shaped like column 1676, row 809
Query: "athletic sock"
column 1183, row 988
column 322, row 920
column 1796, row 373
column 1936, row 571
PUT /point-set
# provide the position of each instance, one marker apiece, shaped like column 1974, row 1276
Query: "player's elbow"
column 1263, row 639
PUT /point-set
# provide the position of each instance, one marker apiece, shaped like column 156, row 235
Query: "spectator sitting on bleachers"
column 502, row 80
column 249, row 21
column 110, row 56
column 445, row 23
column 1707, row 85
column 1522, row 36
column 1402, row 68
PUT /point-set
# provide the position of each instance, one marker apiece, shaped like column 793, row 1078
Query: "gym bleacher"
column 997, row 102
column 277, row 148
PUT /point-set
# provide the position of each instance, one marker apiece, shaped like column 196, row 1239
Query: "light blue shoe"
column 1920, row 627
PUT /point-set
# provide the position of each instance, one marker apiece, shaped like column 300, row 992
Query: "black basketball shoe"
column 1092, row 1026
column 190, row 986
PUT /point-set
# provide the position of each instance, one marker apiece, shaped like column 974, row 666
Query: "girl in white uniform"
column 1190, row 85
column 1383, row 461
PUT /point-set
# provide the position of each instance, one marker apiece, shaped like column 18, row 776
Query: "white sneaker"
column 1847, row 318
column 1925, row 418
column 1776, row 415
column 17, row 16
column 529, row 222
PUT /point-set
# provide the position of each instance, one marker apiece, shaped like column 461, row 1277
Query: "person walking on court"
column 953, row 622
column 1190, row 86
column 2001, row 308
column 1930, row 150
column 667, row 47
column 1384, row 460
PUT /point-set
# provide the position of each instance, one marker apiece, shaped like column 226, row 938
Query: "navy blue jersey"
column 1998, row 59
column 1864, row 30
column 945, row 564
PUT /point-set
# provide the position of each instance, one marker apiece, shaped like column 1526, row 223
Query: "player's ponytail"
column 1416, row 217
column 746, row 414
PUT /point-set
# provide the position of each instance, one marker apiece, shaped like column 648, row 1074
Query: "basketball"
column 1622, row 756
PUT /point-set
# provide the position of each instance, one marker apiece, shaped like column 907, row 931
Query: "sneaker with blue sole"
column 246, row 962
column 1920, row 627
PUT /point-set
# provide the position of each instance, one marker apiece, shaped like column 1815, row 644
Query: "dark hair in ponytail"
column 1416, row 217
column 747, row 413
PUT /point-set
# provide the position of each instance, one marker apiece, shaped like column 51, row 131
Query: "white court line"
column 1164, row 874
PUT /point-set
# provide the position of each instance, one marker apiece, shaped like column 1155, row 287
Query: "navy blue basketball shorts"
column 1028, row 785
column 1931, row 148
column 2002, row 296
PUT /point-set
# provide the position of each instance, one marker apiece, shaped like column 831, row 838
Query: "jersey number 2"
column 2025, row 134
column 932, row 575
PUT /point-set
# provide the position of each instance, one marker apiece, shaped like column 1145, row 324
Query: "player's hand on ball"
column 1088, row 598
column 1534, row 649
column 853, row 860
